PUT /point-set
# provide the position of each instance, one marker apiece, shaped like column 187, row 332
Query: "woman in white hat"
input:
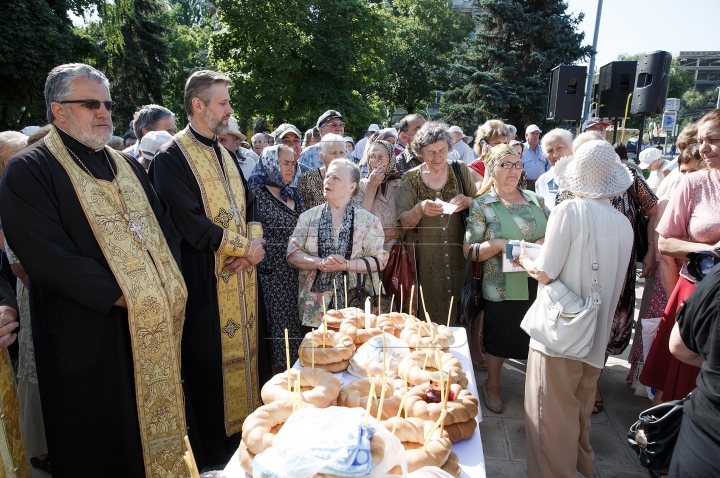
column 560, row 391
column 652, row 160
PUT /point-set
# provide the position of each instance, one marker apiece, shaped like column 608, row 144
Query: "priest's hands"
column 256, row 252
column 121, row 302
column 8, row 323
column 236, row 264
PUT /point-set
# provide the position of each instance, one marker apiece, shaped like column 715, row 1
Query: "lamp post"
column 591, row 70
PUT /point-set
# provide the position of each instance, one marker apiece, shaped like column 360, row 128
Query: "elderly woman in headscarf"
column 280, row 205
column 502, row 212
column 379, row 192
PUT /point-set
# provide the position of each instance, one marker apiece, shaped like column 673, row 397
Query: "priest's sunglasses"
column 92, row 104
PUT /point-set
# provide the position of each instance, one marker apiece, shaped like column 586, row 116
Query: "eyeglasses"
column 519, row 166
column 334, row 124
column 93, row 104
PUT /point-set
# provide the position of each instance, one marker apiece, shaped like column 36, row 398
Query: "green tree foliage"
column 504, row 70
column 680, row 81
column 426, row 33
column 292, row 60
column 36, row 37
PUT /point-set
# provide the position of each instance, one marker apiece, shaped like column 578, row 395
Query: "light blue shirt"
column 547, row 187
column 535, row 162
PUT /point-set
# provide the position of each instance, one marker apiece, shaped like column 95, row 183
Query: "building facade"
column 704, row 65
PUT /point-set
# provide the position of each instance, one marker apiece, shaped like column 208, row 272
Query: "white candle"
column 367, row 313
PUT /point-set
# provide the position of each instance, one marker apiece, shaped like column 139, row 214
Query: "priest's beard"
column 215, row 124
column 92, row 140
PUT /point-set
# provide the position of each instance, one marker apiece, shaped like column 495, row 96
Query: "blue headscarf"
column 267, row 172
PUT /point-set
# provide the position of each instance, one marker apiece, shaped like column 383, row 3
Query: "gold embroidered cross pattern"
column 231, row 328
column 223, row 218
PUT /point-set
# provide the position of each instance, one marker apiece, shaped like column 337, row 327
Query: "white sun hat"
column 593, row 171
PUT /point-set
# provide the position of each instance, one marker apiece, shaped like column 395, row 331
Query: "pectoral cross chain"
column 235, row 212
column 137, row 230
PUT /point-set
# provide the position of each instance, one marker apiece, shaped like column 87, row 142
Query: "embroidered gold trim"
column 12, row 452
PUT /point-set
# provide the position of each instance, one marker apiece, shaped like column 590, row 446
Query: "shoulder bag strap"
column 458, row 176
column 369, row 274
column 468, row 261
column 595, row 287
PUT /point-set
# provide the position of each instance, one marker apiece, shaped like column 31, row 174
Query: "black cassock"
column 82, row 341
column 175, row 182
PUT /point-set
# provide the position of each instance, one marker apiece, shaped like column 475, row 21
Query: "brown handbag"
column 401, row 271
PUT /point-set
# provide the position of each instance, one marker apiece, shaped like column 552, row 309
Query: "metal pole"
column 640, row 139
column 717, row 106
column 591, row 69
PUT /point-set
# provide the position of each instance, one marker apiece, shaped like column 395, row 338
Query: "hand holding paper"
column 447, row 207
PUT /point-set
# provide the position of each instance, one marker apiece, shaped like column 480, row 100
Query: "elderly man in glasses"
column 330, row 122
column 108, row 298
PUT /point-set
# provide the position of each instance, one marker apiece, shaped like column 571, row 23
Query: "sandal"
column 480, row 365
column 598, row 407
column 43, row 465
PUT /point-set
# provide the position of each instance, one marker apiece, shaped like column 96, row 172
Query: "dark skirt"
column 502, row 335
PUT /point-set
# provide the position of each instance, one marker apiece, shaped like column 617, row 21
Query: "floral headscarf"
column 391, row 171
column 267, row 172
column 492, row 159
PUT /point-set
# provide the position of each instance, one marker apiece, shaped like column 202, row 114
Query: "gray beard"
column 92, row 140
column 215, row 124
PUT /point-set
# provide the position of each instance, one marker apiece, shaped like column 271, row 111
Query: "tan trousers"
column 559, row 397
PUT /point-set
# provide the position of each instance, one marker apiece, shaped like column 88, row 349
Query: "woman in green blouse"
column 503, row 212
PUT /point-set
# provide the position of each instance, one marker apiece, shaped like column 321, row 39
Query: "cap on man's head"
column 455, row 129
column 532, row 128
column 649, row 156
column 151, row 142
column 374, row 127
column 286, row 128
column 348, row 139
column 234, row 129
column 593, row 122
column 328, row 115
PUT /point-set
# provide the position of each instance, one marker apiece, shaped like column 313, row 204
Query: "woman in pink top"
column 690, row 224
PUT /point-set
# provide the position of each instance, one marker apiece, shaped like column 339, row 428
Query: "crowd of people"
column 156, row 282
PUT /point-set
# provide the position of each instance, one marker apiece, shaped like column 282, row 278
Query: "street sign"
column 669, row 120
column 672, row 104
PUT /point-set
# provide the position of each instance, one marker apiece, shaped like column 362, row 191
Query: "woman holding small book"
column 503, row 212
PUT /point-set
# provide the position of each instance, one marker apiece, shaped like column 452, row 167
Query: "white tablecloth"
column 469, row 452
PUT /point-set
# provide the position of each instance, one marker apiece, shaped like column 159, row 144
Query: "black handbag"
column 360, row 292
column 471, row 298
column 641, row 225
column 654, row 435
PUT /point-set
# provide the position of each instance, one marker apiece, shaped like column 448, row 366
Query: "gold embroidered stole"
column 236, row 293
column 13, row 461
column 156, row 295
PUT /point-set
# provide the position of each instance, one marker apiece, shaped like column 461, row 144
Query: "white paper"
column 447, row 207
column 533, row 251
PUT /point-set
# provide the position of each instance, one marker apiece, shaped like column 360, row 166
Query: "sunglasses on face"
column 93, row 104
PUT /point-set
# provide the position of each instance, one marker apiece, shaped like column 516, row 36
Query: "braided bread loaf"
column 412, row 367
column 412, row 433
column 421, row 335
column 460, row 410
column 335, row 357
column 318, row 387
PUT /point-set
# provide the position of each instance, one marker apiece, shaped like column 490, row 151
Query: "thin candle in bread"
column 412, row 292
column 312, row 363
column 450, row 310
column 367, row 313
column 382, row 399
column 422, row 298
column 401, row 298
column 440, row 420
column 337, row 306
column 287, row 357
column 325, row 322
column 346, row 296
column 392, row 301
column 369, row 403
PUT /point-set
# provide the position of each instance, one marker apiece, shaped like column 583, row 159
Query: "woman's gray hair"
column 555, row 134
column 59, row 83
column 328, row 140
column 431, row 133
column 354, row 171
column 147, row 116
column 259, row 136
column 585, row 137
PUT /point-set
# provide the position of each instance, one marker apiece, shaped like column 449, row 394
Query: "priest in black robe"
column 82, row 339
column 179, row 181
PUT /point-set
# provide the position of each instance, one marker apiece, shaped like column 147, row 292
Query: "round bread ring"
column 260, row 427
column 440, row 336
column 460, row 410
column 355, row 328
column 394, row 322
column 412, row 433
column 452, row 465
column 461, row 431
column 334, row 318
column 338, row 350
column 357, row 393
column 318, row 387
column 246, row 458
column 411, row 366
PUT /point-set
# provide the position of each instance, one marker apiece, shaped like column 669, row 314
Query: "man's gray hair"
column 431, row 133
column 354, row 171
column 328, row 141
column 59, row 83
column 511, row 129
column 200, row 85
column 147, row 116
column 555, row 134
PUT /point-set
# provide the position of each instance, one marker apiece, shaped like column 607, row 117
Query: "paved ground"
column 503, row 436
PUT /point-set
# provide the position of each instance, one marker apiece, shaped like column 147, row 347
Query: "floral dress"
column 310, row 184
column 384, row 206
column 368, row 240
column 278, row 279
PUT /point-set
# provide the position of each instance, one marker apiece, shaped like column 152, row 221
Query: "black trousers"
column 695, row 454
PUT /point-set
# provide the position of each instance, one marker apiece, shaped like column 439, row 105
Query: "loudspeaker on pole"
column 566, row 92
column 652, row 79
column 617, row 80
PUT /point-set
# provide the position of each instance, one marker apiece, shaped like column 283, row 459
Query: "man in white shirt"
column 360, row 145
column 246, row 159
column 464, row 152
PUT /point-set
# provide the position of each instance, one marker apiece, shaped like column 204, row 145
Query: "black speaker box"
column 651, row 83
column 616, row 83
column 567, row 92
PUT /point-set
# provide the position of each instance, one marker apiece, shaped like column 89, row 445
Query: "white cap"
column 373, row 127
column 234, row 129
column 532, row 128
column 151, row 142
column 348, row 139
column 28, row 130
column 455, row 129
column 649, row 156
